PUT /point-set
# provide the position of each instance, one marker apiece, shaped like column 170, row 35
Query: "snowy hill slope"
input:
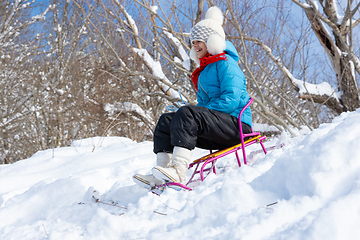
column 309, row 189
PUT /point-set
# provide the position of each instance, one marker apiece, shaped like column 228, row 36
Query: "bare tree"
column 102, row 68
column 17, row 47
column 269, row 61
column 338, row 45
column 160, row 43
column 143, row 43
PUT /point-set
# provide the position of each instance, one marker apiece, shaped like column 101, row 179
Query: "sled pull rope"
column 173, row 108
column 176, row 189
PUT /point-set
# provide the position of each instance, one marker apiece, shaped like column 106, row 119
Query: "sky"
column 39, row 7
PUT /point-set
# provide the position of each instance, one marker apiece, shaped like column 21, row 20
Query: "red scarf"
column 204, row 61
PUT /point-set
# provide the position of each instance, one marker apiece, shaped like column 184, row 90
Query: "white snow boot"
column 163, row 159
column 149, row 181
column 176, row 172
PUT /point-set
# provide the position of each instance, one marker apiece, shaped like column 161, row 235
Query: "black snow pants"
column 193, row 126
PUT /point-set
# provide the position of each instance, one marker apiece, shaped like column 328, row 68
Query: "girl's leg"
column 194, row 126
column 163, row 150
column 162, row 141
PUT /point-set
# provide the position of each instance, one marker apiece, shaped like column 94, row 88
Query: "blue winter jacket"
column 222, row 86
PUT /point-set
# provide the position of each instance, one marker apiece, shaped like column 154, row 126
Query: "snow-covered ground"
column 309, row 189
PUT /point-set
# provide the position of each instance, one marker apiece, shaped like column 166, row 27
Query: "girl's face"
column 200, row 48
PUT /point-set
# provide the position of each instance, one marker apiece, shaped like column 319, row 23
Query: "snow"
column 112, row 109
column 154, row 9
column 305, row 6
column 320, row 89
column 338, row 16
column 308, row 189
column 316, row 5
column 352, row 66
column 259, row 127
column 186, row 59
column 130, row 20
column 156, row 69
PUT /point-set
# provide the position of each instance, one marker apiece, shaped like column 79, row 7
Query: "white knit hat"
column 210, row 32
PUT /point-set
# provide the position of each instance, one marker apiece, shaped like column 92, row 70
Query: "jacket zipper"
column 203, row 88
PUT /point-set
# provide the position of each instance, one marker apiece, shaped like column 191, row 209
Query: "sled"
column 205, row 165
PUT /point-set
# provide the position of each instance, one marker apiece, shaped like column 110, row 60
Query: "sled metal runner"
column 205, row 165
column 212, row 157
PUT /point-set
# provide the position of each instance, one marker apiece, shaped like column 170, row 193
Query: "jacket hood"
column 231, row 51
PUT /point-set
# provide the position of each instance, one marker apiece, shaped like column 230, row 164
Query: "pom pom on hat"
column 215, row 13
column 210, row 32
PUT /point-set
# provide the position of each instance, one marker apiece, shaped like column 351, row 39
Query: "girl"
column 213, row 122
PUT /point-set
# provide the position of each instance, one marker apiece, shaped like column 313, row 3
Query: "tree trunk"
column 347, row 85
column 341, row 62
